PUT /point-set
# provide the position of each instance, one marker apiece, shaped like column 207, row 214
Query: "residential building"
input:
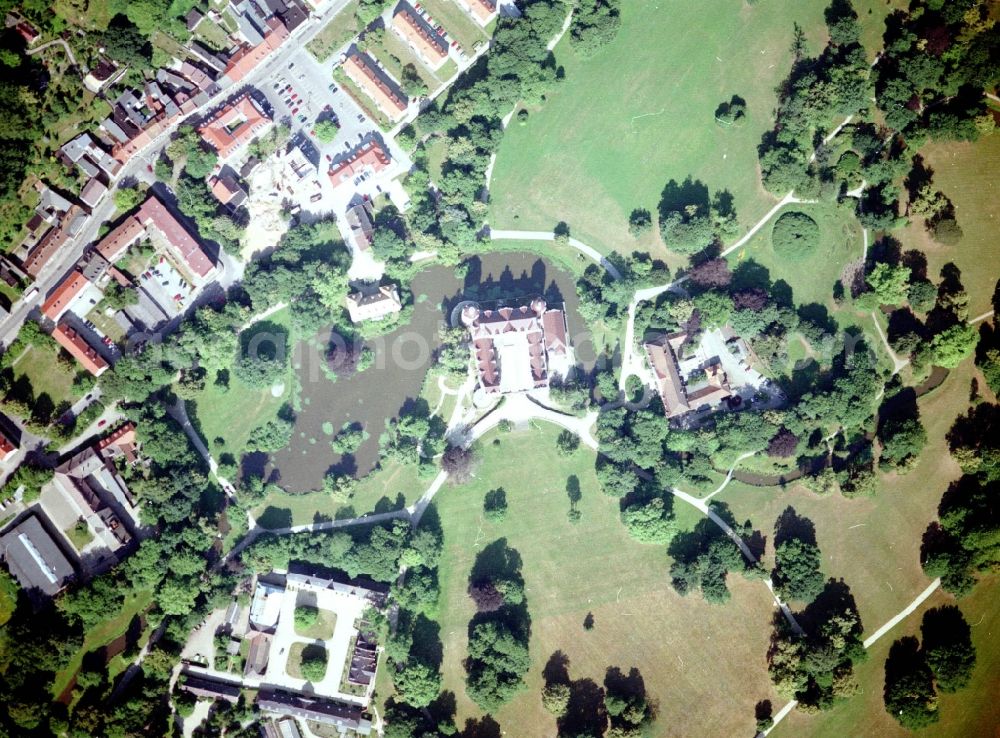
column 662, row 353
column 64, row 295
column 100, row 75
column 305, row 707
column 121, row 442
column 8, row 447
column 483, row 11
column 365, row 73
column 370, row 303
column 193, row 18
column 92, row 193
column 265, row 607
column 153, row 216
column 258, row 655
column 34, row 558
column 227, row 189
column 359, row 219
column 250, row 56
column 209, row 687
column 370, row 157
column 517, row 348
column 420, row 36
column 234, row 126
column 70, row 339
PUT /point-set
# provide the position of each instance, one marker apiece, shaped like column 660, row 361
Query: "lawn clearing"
column 812, row 277
column 641, row 112
column 79, row 534
column 965, row 172
column 689, row 652
column 972, row 711
column 303, row 661
column 47, row 376
column 341, row 29
column 457, row 23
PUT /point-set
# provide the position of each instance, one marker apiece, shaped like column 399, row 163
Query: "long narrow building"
column 363, row 72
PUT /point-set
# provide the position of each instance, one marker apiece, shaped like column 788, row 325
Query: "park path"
column 979, row 318
column 897, row 363
column 512, row 235
column 868, row 642
column 56, row 42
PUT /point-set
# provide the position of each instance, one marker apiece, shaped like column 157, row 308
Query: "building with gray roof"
column 34, row 558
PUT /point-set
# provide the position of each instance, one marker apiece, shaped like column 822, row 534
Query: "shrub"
column 795, row 235
column 313, row 662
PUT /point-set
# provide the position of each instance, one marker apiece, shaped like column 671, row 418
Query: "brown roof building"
column 249, row 57
column 513, row 346
column 423, row 39
column 371, row 156
column 364, row 73
column 7, row 446
column 662, row 355
column 234, row 126
column 67, row 337
column 359, row 219
column 482, row 10
column 373, row 304
column 60, row 300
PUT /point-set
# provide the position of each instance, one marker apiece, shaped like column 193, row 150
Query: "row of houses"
column 87, row 489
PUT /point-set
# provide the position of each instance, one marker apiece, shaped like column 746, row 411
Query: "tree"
column 889, row 283
column 732, row 112
column 458, row 463
column 555, row 698
column 651, row 521
column 117, row 297
column 797, row 574
column 640, row 222
column 498, row 660
column 909, row 686
column 306, row 616
column 127, row 198
column 312, row 662
column 795, row 235
column 567, row 442
column 495, row 505
column 595, row 23
column 947, row 644
column 417, row 682
column 413, row 83
column 124, row 43
column 783, row 444
column 953, row 345
column 326, row 130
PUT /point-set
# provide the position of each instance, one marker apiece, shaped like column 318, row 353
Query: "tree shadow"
column 792, row 525
column 677, row 197
column 484, row 727
column 496, row 561
column 585, row 714
column 273, row 518
column 556, row 670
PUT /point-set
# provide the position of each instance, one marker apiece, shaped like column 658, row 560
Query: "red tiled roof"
column 370, row 155
column 7, row 446
column 430, row 45
column 554, row 324
column 218, row 133
column 115, row 243
column 80, row 350
column 44, row 250
column 483, row 10
column 122, row 438
column 221, row 189
column 660, row 353
column 63, row 295
column 361, row 70
column 155, row 213
column 249, row 57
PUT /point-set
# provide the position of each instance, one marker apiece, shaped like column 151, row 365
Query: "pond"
column 402, row 358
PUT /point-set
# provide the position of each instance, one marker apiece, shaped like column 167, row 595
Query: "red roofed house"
column 249, row 57
column 121, row 442
column 517, row 349
column 153, row 214
column 61, row 299
column 234, row 126
column 67, row 337
column 662, row 355
column 423, row 39
column 7, row 447
column 363, row 72
column 370, row 156
column 482, row 10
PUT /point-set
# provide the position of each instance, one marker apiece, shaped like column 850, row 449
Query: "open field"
column 973, row 711
column 231, row 414
column 641, row 112
column 47, row 376
column 117, row 625
column 341, row 28
column 704, row 664
column 812, row 277
column 965, row 172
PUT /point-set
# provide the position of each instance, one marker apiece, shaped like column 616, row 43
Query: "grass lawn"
column 691, row 654
column 101, row 635
column 341, row 28
column 391, row 487
column 322, row 629
column 214, row 35
column 295, row 654
column 812, row 276
column 393, row 54
column 965, row 172
column 232, row 414
column 106, row 325
column 641, row 111
column 47, row 376
column 79, row 535
column 8, row 597
column 874, row 544
column 973, row 711
column 456, row 22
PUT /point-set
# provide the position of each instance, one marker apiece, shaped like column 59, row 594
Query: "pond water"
column 402, row 358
